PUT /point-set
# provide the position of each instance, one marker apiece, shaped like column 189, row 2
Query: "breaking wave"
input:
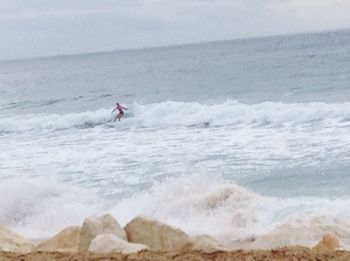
column 168, row 114
column 223, row 210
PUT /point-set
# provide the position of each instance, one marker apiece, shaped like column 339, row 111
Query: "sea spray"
column 230, row 213
column 197, row 204
column 172, row 114
column 38, row 208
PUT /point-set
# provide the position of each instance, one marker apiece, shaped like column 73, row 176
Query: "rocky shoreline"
column 143, row 238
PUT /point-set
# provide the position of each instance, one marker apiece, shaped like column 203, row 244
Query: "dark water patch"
column 314, row 121
column 77, row 98
column 347, row 119
column 5, row 132
column 89, row 124
column 127, row 95
column 7, row 108
column 50, row 102
column 260, row 124
column 97, row 91
column 13, row 105
column 204, row 124
column 105, row 95
column 301, row 75
column 307, row 56
column 31, row 103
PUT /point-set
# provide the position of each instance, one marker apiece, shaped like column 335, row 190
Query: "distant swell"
column 169, row 114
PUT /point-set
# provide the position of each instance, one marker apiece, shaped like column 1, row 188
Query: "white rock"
column 206, row 244
column 156, row 235
column 9, row 241
column 109, row 243
column 94, row 226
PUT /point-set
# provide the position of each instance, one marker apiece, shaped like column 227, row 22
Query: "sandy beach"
column 296, row 253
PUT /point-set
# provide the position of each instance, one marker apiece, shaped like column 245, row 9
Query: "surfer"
column 120, row 112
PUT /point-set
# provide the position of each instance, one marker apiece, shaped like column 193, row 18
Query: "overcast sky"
column 52, row 27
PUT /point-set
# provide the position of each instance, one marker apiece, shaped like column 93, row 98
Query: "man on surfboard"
column 120, row 112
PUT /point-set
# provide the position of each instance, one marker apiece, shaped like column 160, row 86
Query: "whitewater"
column 200, row 147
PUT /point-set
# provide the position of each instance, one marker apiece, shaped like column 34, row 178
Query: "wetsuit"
column 120, row 109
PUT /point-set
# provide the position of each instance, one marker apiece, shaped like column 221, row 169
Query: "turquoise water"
column 260, row 126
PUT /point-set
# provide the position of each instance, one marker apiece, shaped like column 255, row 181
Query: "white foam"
column 196, row 204
column 233, row 112
column 202, row 205
column 267, row 135
column 189, row 114
column 37, row 208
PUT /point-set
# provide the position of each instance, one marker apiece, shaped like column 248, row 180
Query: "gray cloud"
column 40, row 28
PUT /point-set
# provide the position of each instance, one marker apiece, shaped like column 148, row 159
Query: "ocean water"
column 236, row 139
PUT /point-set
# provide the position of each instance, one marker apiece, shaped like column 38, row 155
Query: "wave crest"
column 168, row 114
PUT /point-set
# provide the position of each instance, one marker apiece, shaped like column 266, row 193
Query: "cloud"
column 47, row 27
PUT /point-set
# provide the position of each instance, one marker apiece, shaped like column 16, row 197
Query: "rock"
column 278, row 240
column 156, row 235
column 109, row 243
column 65, row 241
column 205, row 243
column 9, row 241
column 285, row 235
column 272, row 241
column 94, row 226
column 328, row 243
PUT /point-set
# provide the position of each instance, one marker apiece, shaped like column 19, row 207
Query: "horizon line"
column 172, row 45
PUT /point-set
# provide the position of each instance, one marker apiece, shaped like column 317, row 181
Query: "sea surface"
column 236, row 139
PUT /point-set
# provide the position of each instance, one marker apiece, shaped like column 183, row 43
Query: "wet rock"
column 10, row 241
column 156, row 235
column 328, row 243
column 205, row 243
column 65, row 241
column 94, row 226
column 109, row 243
